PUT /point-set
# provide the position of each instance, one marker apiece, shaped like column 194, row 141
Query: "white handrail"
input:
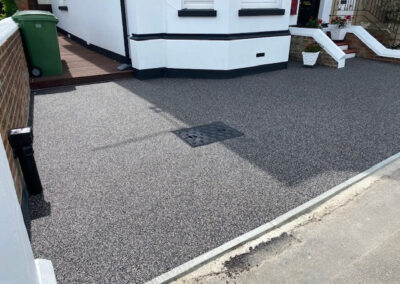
column 373, row 43
column 324, row 41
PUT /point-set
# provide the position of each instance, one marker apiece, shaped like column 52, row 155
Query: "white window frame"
column 198, row 4
column 261, row 4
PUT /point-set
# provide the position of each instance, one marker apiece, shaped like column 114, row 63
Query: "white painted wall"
column 325, row 10
column 98, row 22
column 225, row 55
column 293, row 18
column 17, row 265
column 16, row 259
column 161, row 16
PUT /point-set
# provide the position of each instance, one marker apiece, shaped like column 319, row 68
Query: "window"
column 198, row 4
column 260, row 4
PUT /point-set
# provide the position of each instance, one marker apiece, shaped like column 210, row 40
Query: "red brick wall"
column 364, row 52
column 14, row 97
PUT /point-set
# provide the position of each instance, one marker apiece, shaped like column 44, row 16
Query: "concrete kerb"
column 263, row 229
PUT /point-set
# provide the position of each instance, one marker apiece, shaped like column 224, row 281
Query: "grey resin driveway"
column 126, row 200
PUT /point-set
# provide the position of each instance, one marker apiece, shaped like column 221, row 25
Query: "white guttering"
column 324, row 41
column 7, row 28
column 373, row 43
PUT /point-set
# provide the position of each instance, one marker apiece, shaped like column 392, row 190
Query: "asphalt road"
column 126, row 199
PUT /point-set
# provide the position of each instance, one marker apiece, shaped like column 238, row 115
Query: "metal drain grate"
column 207, row 134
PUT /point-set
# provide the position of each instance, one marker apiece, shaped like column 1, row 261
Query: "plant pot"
column 310, row 58
column 338, row 34
column 332, row 26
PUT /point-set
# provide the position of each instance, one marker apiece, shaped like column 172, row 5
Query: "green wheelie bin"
column 39, row 34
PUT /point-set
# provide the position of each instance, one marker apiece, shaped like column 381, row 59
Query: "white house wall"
column 146, row 17
column 194, row 54
column 161, row 16
column 98, row 22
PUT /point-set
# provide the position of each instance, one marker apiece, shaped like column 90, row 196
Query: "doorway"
column 308, row 9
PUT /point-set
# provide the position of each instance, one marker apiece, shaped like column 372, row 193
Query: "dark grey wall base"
column 197, row 13
column 206, row 74
column 98, row 49
column 261, row 12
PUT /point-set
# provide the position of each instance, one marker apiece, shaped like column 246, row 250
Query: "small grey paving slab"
column 125, row 198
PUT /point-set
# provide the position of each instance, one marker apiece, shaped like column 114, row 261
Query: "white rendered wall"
column 98, row 22
column 325, row 8
column 161, row 16
column 195, row 54
column 17, row 265
column 293, row 18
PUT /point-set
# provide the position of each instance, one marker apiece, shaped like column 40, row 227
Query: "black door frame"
column 306, row 13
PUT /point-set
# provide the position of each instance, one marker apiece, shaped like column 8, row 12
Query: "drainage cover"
column 207, row 134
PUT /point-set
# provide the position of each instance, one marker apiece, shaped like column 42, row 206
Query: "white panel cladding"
column 254, row 4
column 198, row 4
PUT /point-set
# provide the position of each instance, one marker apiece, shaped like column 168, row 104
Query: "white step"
column 344, row 47
column 350, row 55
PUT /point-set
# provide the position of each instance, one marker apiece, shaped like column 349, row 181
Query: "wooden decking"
column 80, row 66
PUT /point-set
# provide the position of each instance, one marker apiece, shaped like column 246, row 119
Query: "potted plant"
column 314, row 23
column 338, row 31
column 310, row 54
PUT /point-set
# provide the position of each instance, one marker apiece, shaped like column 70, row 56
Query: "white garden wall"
column 17, row 265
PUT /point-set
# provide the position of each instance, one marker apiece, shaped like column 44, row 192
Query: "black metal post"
column 21, row 141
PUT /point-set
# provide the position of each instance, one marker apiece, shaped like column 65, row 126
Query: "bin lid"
column 34, row 16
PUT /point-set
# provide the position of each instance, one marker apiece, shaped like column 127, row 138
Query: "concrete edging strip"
column 277, row 222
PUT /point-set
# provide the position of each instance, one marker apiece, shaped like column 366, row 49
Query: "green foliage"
column 314, row 47
column 314, row 23
column 7, row 8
